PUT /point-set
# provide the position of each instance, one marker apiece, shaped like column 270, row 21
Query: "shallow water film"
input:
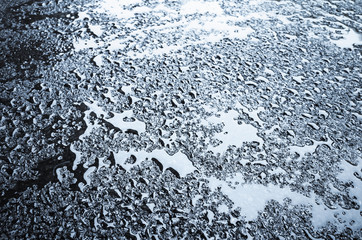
column 130, row 119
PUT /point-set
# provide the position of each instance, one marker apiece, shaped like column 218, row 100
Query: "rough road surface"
column 180, row 119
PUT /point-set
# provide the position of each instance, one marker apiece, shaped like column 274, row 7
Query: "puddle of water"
column 82, row 44
column 211, row 27
column 116, row 7
column 254, row 114
column 201, row 7
column 347, row 175
column 96, row 29
column 179, row 161
column 117, row 119
column 252, row 198
column 349, row 39
column 301, row 151
column 233, row 133
column 98, row 60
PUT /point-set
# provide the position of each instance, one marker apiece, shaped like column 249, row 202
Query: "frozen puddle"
column 252, row 198
column 177, row 162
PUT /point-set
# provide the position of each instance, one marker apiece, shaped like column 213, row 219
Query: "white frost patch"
column 252, row 198
column 233, row 133
column 179, row 161
column 201, row 7
column 301, row 151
